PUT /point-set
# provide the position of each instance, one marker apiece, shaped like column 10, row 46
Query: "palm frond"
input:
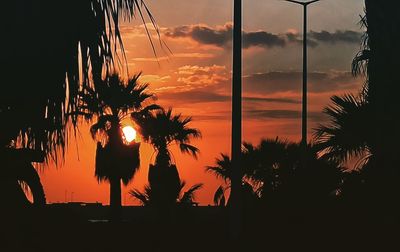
column 219, row 196
column 345, row 136
column 189, row 196
column 142, row 197
column 72, row 49
column 222, row 169
column 190, row 149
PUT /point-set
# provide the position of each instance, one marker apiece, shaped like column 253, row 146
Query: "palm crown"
column 163, row 129
column 109, row 103
column 71, row 48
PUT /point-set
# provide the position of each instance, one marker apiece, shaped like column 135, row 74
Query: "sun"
column 129, row 133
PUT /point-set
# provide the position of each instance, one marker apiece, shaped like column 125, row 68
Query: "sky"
column 195, row 80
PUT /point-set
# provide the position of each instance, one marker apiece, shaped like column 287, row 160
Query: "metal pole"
column 304, row 102
column 304, row 98
column 236, row 180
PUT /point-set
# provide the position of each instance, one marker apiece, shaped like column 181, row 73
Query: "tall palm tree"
column 108, row 104
column 382, row 21
column 369, row 123
column 161, row 130
column 62, row 48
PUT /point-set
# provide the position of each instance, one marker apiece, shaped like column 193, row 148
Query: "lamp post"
column 304, row 99
column 236, row 144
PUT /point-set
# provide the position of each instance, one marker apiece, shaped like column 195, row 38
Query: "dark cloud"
column 222, row 36
column 319, row 82
column 298, row 39
column 201, row 96
column 338, row 36
column 209, row 36
column 203, row 34
column 282, row 114
column 263, row 39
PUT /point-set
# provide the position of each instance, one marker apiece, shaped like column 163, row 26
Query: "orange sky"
column 195, row 81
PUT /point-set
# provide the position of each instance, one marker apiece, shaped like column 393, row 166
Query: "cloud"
column 291, row 81
column 315, row 38
column 202, row 75
column 204, row 96
column 221, row 36
column 346, row 36
column 203, row 34
column 262, row 39
column 282, row 114
column 295, row 38
column 194, row 55
column 154, row 78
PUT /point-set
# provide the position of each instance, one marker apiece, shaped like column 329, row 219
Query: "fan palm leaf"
column 189, row 196
column 347, row 134
column 73, row 49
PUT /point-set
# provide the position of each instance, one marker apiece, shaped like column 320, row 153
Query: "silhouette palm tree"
column 380, row 59
column 368, row 121
column 347, row 134
column 223, row 170
column 21, row 177
column 108, row 104
column 185, row 198
column 73, row 43
column 161, row 130
column 274, row 172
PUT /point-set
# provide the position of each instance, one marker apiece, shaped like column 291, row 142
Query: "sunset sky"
column 196, row 81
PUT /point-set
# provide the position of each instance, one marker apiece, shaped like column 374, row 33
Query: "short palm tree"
column 108, row 104
column 273, row 170
column 161, row 130
column 223, row 170
column 185, row 198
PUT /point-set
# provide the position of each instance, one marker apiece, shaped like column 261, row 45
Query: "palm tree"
column 186, row 198
column 347, row 135
column 108, row 104
column 274, row 172
column 73, row 43
column 64, row 47
column 161, row 130
column 381, row 56
column 365, row 126
column 223, row 170
column 21, row 177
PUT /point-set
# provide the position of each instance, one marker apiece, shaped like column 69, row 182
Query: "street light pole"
column 236, row 144
column 304, row 99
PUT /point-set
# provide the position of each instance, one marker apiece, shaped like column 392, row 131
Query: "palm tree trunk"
column 32, row 178
column 115, row 198
column 383, row 28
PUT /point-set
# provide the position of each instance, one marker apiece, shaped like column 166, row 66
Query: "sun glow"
column 129, row 133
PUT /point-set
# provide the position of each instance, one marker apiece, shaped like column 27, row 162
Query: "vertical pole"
column 235, row 198
column 304, row 101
